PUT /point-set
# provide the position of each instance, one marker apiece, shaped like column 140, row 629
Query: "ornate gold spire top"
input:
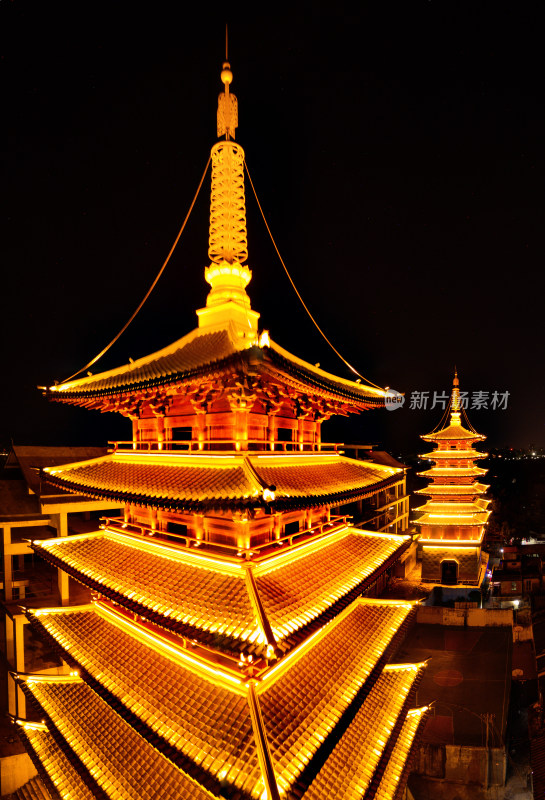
column 455, row 406
column 227, row 105
column 228, row 275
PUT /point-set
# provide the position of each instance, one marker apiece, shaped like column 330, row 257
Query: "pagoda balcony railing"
column 255, row 552
column 192, row 446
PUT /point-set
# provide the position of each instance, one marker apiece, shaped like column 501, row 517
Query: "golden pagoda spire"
column 228, row 275
column 455, row 405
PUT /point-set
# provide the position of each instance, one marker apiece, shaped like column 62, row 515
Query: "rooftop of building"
column 468, row 676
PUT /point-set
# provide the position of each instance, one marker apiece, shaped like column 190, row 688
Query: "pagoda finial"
column 227, row 103
column 228, row 275
column 455, row 405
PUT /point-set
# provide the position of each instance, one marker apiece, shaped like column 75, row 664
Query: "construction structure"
column 233, row 645
column 452, row 521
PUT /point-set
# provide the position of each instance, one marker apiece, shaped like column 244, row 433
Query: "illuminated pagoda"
column 453, row 520
column 234, row 645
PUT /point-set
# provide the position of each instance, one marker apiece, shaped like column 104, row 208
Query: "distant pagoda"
column 453, row 520
column 234, row 647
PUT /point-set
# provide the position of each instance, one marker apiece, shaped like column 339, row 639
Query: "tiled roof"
column 171, row 591
column 454, row 432
column 453, row 472
column 307, row 701
column 204, row 719
column 192, row 481
column 441, row 507
column 185, row 356
column 207, row 720
column 438, row 455
column 330, row 476
column 59, row 770
column 437, row 513
column 169, row 479
column 459, row 489
column 199, row 354
column 348, row 772
column 309, row 374
column 124, row 765
column 32, row 459
column 397, row 768
column 454, row 519
column 537, row 761
column 203, row 598
column 296, row 590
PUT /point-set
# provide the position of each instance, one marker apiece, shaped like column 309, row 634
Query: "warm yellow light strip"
column 137, row 542
column 160, row 456
column 39, row 612
column 185, row 556
column 443, row 547
column 414, row 667
column 417, row 712
column 31, row 678
column 78, row 537
column 285, row 663
column 298, row 551
column 395, row 767
column 471, row 542
column 179, row 656
column 32, row 726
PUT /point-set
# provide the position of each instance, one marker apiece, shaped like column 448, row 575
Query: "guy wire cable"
column 350, row 367
column 153, row 285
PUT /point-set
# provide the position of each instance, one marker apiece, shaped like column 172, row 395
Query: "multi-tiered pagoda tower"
column 233, row 647
column 454, row 518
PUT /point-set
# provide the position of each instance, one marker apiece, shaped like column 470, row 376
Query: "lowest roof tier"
column 204, row 731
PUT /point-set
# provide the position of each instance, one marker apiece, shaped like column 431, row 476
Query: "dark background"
column 397, row 149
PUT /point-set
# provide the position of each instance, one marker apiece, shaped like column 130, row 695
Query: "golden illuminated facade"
column 453, row 520
column 233, row 645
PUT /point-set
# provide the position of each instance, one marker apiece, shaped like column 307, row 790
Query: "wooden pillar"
column 8, row 563
column 160, row 422
column 134, row 432
column 199, row 527
column 60, row 522
column 20, row 621
column 241, row 428
column 201, row 428
column 318, row 435
column 10, row 657
column 271, row 430
column 300, row 432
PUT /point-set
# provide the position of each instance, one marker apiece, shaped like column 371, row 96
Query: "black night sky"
column 397, row 149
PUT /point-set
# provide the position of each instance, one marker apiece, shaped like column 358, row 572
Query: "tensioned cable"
column 350, row 367
column 153, row 285
column 444, row 417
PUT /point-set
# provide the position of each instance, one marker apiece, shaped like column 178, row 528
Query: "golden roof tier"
column 54, row 766
column 450, row 454
column 172, row 373
column 452, row 521
column 454, row 432
column 201, row 482
column 238, row 606
column 459, row 491
column 216, row 737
